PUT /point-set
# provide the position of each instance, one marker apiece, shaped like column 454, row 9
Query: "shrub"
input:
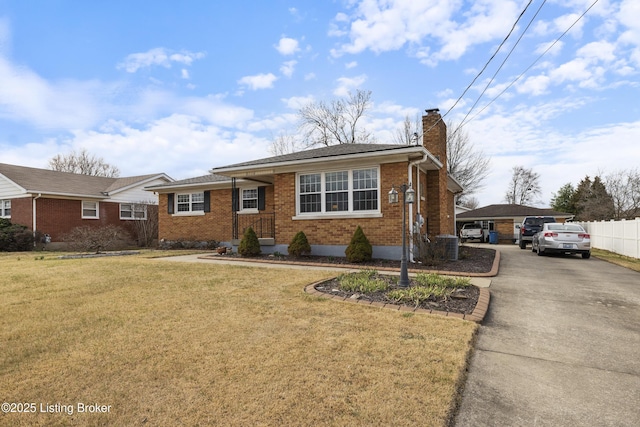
column 94, row 239
column 299, row 245
column 359, row 250
column 14, row 237
column 430, row 252
column 364, row 281
column 249, row 245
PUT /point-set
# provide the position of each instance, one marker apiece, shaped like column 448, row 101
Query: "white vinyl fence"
column 621, row 237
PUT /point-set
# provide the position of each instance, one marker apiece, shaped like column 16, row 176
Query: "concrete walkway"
column 560, row 345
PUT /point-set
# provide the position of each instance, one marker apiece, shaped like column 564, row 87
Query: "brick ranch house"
column 54, row 203
column 325, row 192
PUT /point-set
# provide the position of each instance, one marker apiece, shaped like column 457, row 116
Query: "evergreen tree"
column 563, row 200
column 299, row 245
column 249, row 245
column 359, row 250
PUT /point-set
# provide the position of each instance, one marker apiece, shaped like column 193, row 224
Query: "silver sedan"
column 562, row 238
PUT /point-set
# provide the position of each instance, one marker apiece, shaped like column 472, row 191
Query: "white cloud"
column 287, row 46
column 347, row 84
column 184, row 73
column 259, row 81
column 287, row 68
column 157, row 56
column 26, row 97
column 310, row 76
column 350, row 65
column 297, row 102
column 386, row 25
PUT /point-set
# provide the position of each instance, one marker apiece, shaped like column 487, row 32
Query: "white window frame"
column 97, row 209
column 4, row 206
column 350, row 212
column 191, row 202
column 242, row 199
column 134, row 208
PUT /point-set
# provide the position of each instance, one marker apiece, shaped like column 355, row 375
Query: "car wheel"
column 523, row 244
column 586, row 255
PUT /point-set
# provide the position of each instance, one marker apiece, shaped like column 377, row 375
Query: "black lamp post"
column 408, row 195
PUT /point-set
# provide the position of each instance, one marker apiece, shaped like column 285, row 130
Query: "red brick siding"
column 214, row 225
column 21, row 212
column 382, row 231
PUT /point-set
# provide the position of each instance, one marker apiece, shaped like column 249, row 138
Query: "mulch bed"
column 462, row 300
column 470, row 260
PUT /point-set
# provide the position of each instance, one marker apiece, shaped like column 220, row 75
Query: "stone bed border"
column 477, row 315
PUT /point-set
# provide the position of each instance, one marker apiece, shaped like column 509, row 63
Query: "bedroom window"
column 250, row 199
column 5, row 208
column 133, row 211
column 346, row 192
column 192, row 202
column 89, row 210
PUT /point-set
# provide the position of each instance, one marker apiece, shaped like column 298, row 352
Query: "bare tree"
column 336, row 122
column 83, row 163
column 144, row 222
column 470, row 202
column 410, row 133
column 465, row 163
column 523, row 187
column 624, row 188
column 283, row 144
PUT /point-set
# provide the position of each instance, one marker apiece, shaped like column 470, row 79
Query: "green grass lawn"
column 171, row 343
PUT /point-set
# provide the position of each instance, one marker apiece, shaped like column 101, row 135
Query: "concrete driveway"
column 560, row 345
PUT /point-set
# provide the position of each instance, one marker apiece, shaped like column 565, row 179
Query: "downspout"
column 34, row 212
column 425, row 156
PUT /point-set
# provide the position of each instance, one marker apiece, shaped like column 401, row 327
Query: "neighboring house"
column 54, row 203
column 506, row 219
column 326, row 193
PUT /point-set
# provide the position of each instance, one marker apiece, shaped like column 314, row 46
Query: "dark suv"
column 530, row 226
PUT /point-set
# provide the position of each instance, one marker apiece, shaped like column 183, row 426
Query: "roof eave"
column 270, row 168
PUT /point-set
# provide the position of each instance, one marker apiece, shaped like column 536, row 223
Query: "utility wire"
column 534, row 62
column 485, row 65
column 500, row 67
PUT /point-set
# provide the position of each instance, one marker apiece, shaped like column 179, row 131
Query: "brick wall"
column 384, row 231
column 440, row 202
column 214, row 225
column 58, row 217
column 21, row 212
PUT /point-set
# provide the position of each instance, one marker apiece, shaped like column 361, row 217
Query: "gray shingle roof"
column 35, row 180
column 205, row 179
column 509, row 211
column 317, row 153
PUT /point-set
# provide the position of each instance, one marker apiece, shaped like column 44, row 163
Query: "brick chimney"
column 440, row 202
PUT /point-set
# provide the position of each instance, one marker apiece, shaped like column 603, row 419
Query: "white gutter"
column 425, row 157
column 34, row 212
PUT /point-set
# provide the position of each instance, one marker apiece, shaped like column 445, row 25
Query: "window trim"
column 191, row 211
column 3, row 209
column 133, row 211
column 242, row 199
column 350, row 212
column 97, row 209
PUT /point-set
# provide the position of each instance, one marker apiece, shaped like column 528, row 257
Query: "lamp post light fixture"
column 408, row 196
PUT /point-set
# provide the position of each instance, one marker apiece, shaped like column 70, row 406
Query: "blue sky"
column 181, row 87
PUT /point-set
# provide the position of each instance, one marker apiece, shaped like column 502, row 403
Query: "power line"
column 485, row 65
column 534, row 62
column 501, row 65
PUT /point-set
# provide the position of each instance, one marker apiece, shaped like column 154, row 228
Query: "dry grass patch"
column 621, row 260
column 170, row 343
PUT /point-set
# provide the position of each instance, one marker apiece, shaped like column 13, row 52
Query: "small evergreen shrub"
column 249, row 245
column 359, row 250
column 299, row 245
column 14, row 237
